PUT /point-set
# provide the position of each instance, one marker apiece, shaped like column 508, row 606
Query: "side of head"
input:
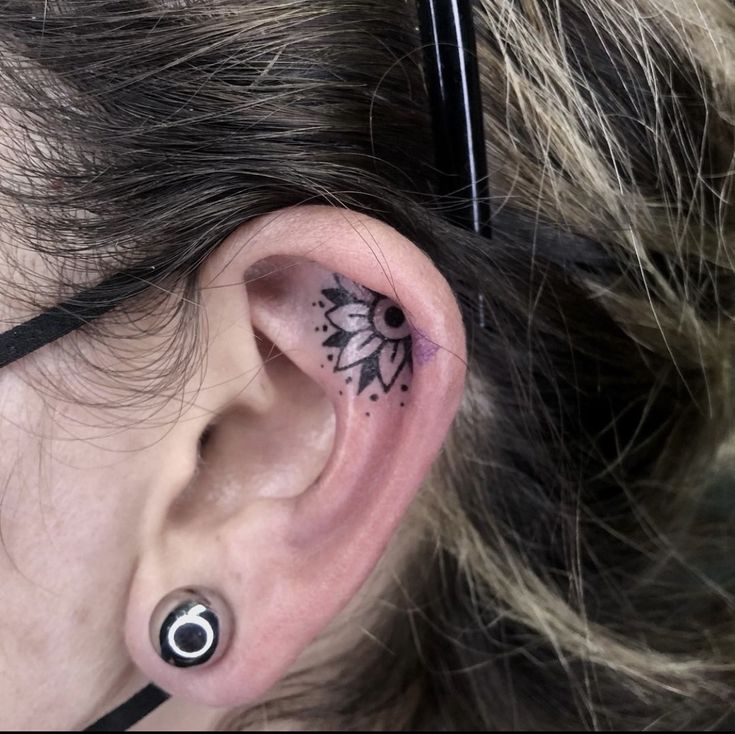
column 333, row 367
column 415, row 520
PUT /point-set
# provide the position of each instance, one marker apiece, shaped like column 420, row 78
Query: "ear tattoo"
column 189, row 627
column 372, row 335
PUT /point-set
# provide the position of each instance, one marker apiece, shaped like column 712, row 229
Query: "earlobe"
column 363, row 325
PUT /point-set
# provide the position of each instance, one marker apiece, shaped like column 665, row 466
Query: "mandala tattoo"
column 372, row 335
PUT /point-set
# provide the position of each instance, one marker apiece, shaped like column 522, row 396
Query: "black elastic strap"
column 132, row 711
column 81, row 309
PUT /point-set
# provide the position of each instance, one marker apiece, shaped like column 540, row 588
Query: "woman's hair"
column 573, row 566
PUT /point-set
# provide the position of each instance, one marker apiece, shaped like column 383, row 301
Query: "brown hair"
column 571, row 559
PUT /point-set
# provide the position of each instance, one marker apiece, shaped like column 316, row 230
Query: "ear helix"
column 191, row 627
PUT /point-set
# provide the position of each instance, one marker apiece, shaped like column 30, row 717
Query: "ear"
column 335, row 366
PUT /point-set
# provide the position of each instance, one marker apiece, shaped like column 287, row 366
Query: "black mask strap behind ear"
column 132, row 711
column 72, row 314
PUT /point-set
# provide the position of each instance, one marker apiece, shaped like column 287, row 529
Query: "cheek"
column 68, row 548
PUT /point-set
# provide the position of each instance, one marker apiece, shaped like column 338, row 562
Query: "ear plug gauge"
column 190, row 627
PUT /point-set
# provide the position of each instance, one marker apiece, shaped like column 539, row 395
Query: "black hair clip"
column 453, row 83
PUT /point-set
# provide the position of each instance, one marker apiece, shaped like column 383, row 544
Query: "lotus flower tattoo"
column 372, row 334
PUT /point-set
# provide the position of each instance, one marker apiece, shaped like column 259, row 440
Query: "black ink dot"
column 394, row 317
column 321, row 304
column 373, row 397
column 313, row 303
column 404, row 388
column 340, row 392
column 348, row 380
column 316, row 328
column 325, row 327
column 330, row 357
column 403, row 405
column 367, row 414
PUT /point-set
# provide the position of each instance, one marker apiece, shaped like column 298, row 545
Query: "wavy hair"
column 570, row 561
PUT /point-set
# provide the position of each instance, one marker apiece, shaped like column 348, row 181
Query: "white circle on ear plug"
column 192, row 617
column 191, row 626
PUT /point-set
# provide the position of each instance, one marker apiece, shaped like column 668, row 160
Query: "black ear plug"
column 189, row 626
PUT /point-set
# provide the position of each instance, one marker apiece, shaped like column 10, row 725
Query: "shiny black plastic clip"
column 453, row 83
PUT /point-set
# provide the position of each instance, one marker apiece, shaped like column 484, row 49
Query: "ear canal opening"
column 247, row 455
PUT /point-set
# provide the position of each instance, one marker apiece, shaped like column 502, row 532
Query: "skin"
column 286, row 510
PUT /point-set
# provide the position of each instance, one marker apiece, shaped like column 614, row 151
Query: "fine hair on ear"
column 567, row 563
